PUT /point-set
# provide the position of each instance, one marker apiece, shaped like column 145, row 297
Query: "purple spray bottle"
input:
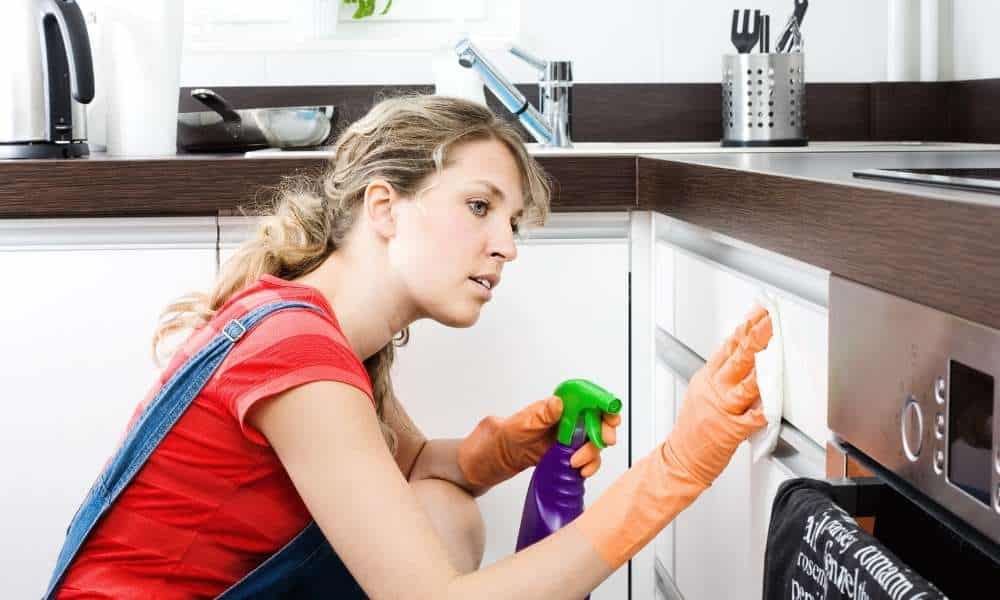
column 555, row 494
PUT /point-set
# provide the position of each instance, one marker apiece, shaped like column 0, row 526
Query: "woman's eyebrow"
column 494, row 190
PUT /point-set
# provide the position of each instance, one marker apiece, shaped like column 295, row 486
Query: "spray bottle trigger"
column 586, row 400
column 592, row 424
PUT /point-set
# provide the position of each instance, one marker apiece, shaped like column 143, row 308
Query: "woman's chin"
column 460, row 318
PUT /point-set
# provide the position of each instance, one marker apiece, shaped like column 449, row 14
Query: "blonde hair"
column 403, row 141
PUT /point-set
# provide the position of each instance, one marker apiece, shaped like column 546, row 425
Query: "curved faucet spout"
column 539, row 126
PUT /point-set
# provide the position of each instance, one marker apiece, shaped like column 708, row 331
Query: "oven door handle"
column 799, row 456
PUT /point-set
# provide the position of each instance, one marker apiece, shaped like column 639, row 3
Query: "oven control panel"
column 916, row 389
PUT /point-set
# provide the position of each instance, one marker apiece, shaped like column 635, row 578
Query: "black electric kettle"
column 50, row 70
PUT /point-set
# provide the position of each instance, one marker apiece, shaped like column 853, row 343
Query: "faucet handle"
column 548, row 70
column 539, row 64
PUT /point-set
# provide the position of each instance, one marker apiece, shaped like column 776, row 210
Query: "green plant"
column 366, row 8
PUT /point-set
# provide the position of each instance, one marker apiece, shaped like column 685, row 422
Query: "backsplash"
column 668, row 112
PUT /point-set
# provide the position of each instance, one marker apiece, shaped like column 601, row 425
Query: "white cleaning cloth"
column 770, row 364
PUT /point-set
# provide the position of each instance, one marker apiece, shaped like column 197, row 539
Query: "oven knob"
column 912, row 428
column 939, row 426
column 939, row 461
column 939, row 390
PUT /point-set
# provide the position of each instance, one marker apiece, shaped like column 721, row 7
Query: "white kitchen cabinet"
column 652, row 384
column 664, row 413
column 81, row 300
column 702, row 286
column 561, row 312
column 796, row 456
column 715, row 285
column 712, row 536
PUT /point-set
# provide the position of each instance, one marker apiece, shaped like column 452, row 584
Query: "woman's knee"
column 457, row 519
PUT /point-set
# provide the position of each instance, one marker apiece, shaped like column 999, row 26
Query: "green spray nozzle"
column 586, row 400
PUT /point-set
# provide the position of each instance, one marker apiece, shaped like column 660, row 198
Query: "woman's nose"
column 503, row 246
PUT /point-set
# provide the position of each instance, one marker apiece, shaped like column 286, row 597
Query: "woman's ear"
column 380, row 197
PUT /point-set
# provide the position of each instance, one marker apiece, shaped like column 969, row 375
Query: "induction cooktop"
column 975, row 179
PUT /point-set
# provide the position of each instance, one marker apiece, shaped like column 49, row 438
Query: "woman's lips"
column 483, row 290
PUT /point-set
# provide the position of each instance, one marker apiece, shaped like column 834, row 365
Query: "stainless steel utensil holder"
column 763, row 100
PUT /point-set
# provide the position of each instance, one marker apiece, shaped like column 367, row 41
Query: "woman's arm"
column 410, row 440
column 327, row 437
column 419, row 458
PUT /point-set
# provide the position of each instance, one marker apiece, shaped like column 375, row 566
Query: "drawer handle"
column 674, row 355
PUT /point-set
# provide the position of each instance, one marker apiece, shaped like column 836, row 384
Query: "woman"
column 272, row 459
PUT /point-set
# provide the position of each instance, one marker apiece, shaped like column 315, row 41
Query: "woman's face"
column 453, row 239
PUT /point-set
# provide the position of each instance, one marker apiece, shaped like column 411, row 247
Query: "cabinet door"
column 712, row 536
column 717, row 280
column 560, row 313
column 796, row 456
column 81, row 301
column 663, row 414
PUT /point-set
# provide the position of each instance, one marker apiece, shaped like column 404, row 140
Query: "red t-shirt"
column 213, row 501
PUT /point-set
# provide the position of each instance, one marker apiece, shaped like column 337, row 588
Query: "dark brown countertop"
column 207, row 184
column 937, row 247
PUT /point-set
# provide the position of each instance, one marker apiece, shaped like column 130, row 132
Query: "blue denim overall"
column 305, row 567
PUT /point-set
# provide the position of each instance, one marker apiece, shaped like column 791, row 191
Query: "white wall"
column 636, row 41
column 975, row 44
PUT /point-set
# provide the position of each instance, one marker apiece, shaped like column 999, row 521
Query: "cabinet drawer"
column 710, row 300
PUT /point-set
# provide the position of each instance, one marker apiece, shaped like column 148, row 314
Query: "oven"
column 914, row 396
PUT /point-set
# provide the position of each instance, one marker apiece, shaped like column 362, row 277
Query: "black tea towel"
column 816, row 551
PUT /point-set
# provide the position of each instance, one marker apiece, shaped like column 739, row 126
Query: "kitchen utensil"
column 763, row 100
column 46, row 79
column 231, row 120
column 225, row 129
column 794, row 22
column 796, row 44
column 746, row 38
column 765, row 34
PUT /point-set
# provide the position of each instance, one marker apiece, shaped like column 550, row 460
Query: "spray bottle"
column 555, row 494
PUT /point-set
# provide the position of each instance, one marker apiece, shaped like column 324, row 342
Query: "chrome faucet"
column 552, row 127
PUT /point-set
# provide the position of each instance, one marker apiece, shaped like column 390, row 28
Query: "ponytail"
column 401, row 140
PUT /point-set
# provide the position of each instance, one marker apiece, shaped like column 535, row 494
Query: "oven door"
column 912, row 400
column 914, row 389
column 937, row 546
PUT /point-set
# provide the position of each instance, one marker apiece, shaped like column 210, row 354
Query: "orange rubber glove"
column 718, row 413
column 497, row 449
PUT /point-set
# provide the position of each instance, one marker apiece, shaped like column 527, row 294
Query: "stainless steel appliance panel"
column 891, row 367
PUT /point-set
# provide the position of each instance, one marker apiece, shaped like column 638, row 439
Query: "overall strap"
column 156, row 420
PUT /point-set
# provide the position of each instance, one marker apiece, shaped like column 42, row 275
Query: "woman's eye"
column 479, row 207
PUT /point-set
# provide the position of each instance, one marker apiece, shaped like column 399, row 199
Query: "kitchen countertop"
column 838, row 167
column 936, row 246
column 206, row 184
